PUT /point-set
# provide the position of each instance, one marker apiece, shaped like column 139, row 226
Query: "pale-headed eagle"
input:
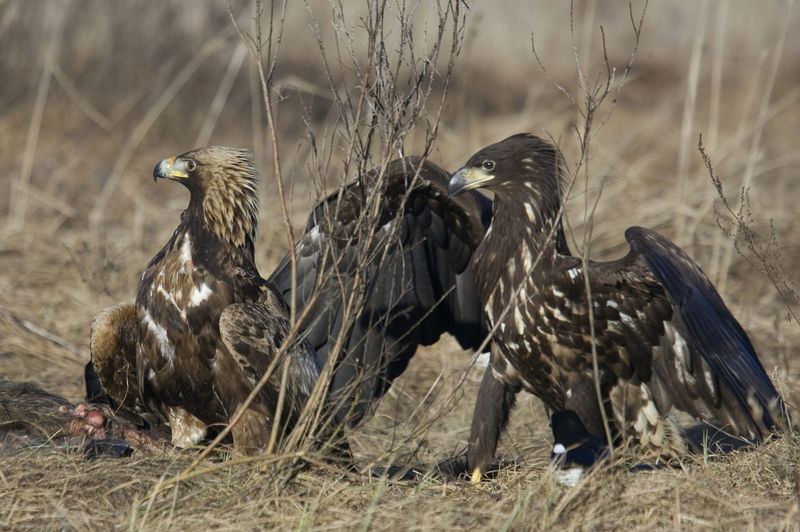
column 383, row 266
column 665, row 341
column 205, row 325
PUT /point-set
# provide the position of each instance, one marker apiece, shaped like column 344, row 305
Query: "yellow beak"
column 466, row 179
column 169, row 169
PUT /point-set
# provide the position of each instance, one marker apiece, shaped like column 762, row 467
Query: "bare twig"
column 72, row 351
column 687, row 123
column 755, row 146
column 83, row 104
column 594, row 94
column 741, row 232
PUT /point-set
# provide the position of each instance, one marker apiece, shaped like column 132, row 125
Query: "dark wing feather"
column 711, row 327
column 412, row 252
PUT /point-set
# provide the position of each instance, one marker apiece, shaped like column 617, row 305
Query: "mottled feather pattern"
column 665, row 341
column 207, row 323
column 230, row 202
column 249, row 336
column 710, row 325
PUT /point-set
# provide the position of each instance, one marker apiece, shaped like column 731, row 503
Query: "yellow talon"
column 476, row 476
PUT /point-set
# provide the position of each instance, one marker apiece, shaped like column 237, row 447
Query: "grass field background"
column 94, row 93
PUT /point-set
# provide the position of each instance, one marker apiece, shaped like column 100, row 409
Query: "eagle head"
column 519, row 164
column 223, row 185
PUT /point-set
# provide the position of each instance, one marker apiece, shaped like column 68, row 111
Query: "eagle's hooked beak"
column 468, row 178
column 171, row 168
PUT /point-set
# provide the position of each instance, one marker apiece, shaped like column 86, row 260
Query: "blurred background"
column 94, row 93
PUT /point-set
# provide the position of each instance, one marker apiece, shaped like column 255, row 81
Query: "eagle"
column 666, row 345
column 394, row 236
column 205, row 324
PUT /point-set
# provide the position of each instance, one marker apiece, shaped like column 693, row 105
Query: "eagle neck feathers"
column 228, row 207
column 538, row 234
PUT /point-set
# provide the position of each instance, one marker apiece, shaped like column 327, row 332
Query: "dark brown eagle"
column 665, row 341
column 393, row 237
column 205, row 325
column 397, row 239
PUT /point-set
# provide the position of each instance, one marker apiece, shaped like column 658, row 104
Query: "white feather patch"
column 529, row 210
column 482, row 360
column 187, row 430
column 526, row 343
column 166, row 347
column 518, row 321
column 527, row 259
column 186, row 250
column 558, row 314
column 199, row 295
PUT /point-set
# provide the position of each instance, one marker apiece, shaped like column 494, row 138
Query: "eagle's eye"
column 191, row 165
column 488, row 165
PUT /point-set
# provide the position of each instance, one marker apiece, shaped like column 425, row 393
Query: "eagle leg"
column 252, row 432
column 187, row 430
column 492, row 409
column 335, row 447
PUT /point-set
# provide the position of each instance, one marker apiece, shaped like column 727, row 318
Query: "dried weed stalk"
column 591, row 95
column 762, row 254
column 380, row 100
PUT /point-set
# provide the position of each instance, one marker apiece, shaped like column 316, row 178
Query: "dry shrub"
column 94, row 93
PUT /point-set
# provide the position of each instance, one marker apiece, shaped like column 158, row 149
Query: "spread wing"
column 253, row 333
column 385, row 266
column 703, row 361
column 710, row 326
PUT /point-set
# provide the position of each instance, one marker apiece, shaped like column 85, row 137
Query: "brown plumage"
column 206, row 324
column 393, row 231
column 112, row 347
column 666, row 344
column 396, row 239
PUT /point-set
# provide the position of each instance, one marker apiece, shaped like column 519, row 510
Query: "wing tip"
column 714, row 329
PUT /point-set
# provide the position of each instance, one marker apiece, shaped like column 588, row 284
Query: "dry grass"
column 94, row 94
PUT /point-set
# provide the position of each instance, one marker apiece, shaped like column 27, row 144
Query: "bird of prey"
column 384, row 266
column 665, row 342
column 205, row 326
